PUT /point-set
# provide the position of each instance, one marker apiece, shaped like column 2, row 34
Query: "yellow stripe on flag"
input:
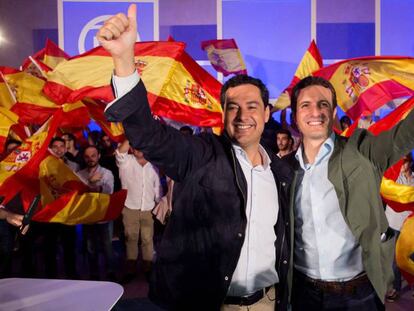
column 393, row 191
column 86, row 208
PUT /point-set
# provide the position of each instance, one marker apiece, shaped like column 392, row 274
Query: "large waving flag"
column 191, row 95
column 178, row 88
column 66, row 199
column 367, row 83
column 19, row 170
column 225, row 56
column 89, row 74
column 310, row 62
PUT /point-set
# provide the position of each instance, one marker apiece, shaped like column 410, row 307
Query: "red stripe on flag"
column 400, row 207
column 57, row 92
column 150, row 48
column 32, row 114
column 314, row 51
column 50, row 210
column 116, row 204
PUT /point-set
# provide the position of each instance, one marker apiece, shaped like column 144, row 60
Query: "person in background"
column 345, row 122
column 98, row 236
column 396, row 221
column 284, row 142
column 142, row 181
column 72, row 152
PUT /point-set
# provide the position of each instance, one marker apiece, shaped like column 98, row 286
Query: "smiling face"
column 315, row 113
column 59, row 148
column 245, row 115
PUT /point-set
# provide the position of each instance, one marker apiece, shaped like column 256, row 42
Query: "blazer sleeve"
column 167, row 148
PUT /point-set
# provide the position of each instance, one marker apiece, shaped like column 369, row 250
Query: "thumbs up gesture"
column 118, row 36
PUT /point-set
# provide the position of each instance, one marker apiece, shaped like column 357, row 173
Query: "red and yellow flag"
column 19, row 170
column 113, row 129
column 191, row 95
column 366, row 84
column 311, row 62
column 66, row 199
column 46, row 59
column 89, row 74
column 225, row 56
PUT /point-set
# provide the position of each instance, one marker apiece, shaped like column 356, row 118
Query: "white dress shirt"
column 256, row 266
column 325, row 247
column 142, row 182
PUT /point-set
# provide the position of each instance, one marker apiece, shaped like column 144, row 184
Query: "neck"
column 254, row 155
column 311, row 149
column 282, row 153
column 92, row 168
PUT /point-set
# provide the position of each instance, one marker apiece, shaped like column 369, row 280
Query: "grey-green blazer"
column 355, row 169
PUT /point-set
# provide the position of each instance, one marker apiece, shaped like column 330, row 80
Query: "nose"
column 242, row 113
column 315, row 110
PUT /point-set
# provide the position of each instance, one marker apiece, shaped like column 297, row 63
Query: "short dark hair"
column 309, row 81
column 70, row 136
column 241, row 80
column 345, row 119
column 93, row 147
column 284, row 131
column 12, row 141
column 57, row 138
column 187, row 129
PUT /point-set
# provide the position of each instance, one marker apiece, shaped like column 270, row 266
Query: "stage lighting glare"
column 2, row 39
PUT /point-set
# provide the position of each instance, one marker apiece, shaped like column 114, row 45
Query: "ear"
column 267, row 113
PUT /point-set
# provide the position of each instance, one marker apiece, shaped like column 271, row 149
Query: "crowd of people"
column 244, row 228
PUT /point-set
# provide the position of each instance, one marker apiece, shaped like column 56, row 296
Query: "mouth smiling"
column 243, row 127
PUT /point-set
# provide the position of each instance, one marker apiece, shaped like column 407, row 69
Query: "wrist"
column 124, row 66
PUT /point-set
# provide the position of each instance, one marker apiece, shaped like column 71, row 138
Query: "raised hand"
column 118, row 36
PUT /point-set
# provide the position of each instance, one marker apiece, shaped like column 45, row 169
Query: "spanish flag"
column 310, row 62
column 19, row 170
column 89, row 74
column 66, row 199
column 367, row 83
column 191, row 95
column 225, row 56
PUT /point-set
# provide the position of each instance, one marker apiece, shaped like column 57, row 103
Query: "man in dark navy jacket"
column 225, row 245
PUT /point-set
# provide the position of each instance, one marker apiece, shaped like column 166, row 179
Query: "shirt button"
column 287, row 223
column 240, row 235
column 284, row 262
column 226, row 278
column 283, row 184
